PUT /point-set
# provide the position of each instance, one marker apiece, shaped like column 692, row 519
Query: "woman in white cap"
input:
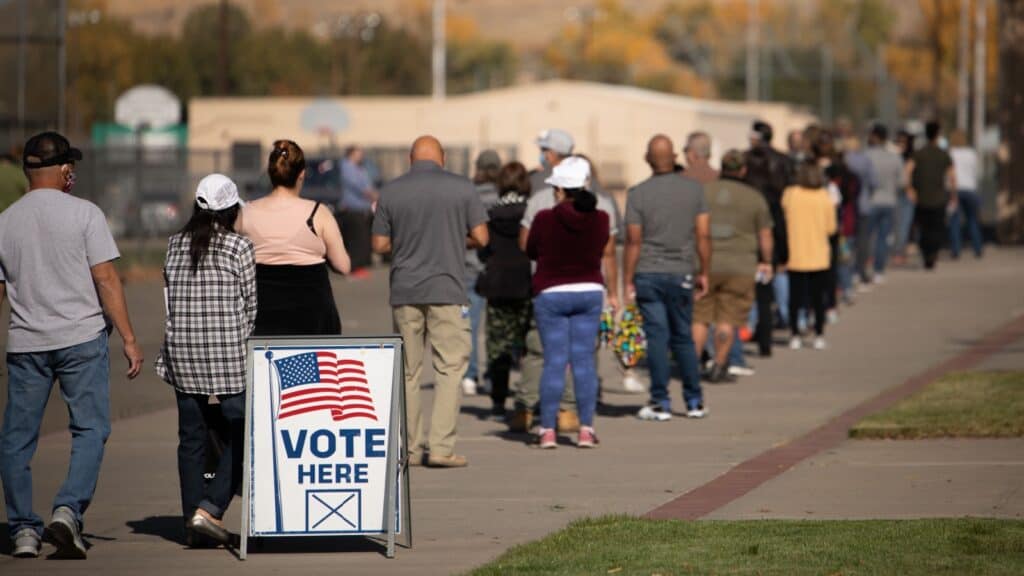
column 568, row 243
column 210, row 274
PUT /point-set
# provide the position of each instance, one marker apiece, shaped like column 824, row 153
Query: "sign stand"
column 314, row 410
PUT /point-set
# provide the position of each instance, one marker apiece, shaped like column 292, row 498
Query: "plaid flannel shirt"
column 210, row 314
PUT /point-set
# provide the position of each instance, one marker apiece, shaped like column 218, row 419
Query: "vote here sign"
column 320, row 439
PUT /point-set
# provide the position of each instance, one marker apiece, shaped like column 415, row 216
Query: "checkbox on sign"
column 334, row 510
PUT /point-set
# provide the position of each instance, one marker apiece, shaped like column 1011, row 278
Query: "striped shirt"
column 210, row 314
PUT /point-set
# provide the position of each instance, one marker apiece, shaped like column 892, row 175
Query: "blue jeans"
column 969, row 204
column 568, row 324
column 780, row 283
column 476, row 309
column 880, row 225
column 904, row 224
column 193, row 423
column 667, row 308
column 84, row 374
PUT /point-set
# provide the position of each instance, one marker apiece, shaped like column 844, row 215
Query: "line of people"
column 789, row 232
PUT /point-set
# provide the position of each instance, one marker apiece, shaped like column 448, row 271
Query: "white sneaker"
column 832, row 316
column 740, row 371
column 878, row 279
column 863, row 288
column 795, row 343
column 696, row 412
column 64, row 532
column 26, row 544
column 654, row 413
column 819, row 343
column 468, row 387
column 632, row 384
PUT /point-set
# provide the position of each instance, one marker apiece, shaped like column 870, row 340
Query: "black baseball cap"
column 49, row 149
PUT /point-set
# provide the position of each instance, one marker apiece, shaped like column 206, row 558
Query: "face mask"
column 69, row 183
column 544, row 160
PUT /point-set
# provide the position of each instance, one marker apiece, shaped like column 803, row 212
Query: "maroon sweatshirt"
column 567, row 246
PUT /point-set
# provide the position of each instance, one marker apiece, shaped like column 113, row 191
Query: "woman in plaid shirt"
column 210, row 274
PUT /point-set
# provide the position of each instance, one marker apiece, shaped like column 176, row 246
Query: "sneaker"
column 587, row 438
column 632, row 384
column 547, row 439
column 26, row 544
column 832, row 316
column 819, row 343
column 795, row 343
column 63, row 531
column 696, row 411
column 654, row 413
column 499, row 414
column 864, row 288
column 720, row 375
column 568, row 421
column 878, row 279
column 741, row 371
column 468, row 387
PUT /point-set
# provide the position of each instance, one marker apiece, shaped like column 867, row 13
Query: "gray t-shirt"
column 49, row 241
column 489, row 197
column 427, row 212
column 888, row 176
column 666, row 206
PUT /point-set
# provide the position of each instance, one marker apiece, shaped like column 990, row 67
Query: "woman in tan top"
column 295, row 241
column 810, row 220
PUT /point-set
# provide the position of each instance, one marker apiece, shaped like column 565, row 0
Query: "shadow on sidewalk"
column 6, row 546
column 170, row 528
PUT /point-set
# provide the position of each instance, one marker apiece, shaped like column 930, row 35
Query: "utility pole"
column 22, row 32
column 222, row 51
column 62, row 64
column 980, row 35
column 827, row 71
column 753, row 51
column 439, row 65
column 963, row 90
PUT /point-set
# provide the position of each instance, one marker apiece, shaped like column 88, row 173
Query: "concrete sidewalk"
column 510, row 493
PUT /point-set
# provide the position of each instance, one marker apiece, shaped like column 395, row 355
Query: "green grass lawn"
column 624, row 546
column 971, row 405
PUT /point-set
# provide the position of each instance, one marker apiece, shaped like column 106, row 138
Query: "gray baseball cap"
column 557, row 141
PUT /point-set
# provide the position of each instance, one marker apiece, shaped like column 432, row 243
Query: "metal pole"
column 438, row 57
column 222, row 49
column 753, row 55
column 62, row 65
column 826, row 83
column 22, row 31
column 963, row 91
column 980, row 35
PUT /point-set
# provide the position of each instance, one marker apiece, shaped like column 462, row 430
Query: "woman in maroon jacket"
column 568, row 242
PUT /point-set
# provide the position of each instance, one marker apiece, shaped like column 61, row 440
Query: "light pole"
column 753, row 51
column 980, row 33
column 439, row 65
column 963, row 92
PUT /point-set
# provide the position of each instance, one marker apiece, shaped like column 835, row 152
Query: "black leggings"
column 808, row 290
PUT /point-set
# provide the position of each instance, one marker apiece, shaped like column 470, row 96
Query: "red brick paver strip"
column 751, row 473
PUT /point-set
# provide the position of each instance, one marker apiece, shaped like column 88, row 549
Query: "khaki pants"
column 449, row 335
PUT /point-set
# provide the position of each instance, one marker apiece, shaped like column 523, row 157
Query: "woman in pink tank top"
column 295, row 241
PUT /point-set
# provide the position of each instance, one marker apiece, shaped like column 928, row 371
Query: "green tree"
column 203, row 37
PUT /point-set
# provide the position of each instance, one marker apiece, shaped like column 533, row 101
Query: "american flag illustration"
column 321, row 381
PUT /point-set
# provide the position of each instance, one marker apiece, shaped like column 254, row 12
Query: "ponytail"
column 202, row 227
column 583, row 200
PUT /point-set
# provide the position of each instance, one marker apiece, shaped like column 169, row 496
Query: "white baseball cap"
column 557, row 141
column 217, row 192
column 573, row 172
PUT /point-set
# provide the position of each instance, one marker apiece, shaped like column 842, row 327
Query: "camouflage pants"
column 507, row 323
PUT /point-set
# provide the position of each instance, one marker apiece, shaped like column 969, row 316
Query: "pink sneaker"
column 547, row 438
column 587, row 438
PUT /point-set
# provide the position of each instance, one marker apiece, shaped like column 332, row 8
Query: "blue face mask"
column 544, row 160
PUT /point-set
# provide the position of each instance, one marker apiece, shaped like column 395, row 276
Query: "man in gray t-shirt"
column 888, row 169
column 56, row 269
column 667, row 230
column 427, row 218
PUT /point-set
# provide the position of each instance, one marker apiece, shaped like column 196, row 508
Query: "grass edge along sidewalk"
column 624, row 545
column 958, row 405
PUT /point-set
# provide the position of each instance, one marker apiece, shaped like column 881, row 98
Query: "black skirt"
column 295, row 301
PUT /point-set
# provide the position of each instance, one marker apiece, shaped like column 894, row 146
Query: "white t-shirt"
column 965, row 164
